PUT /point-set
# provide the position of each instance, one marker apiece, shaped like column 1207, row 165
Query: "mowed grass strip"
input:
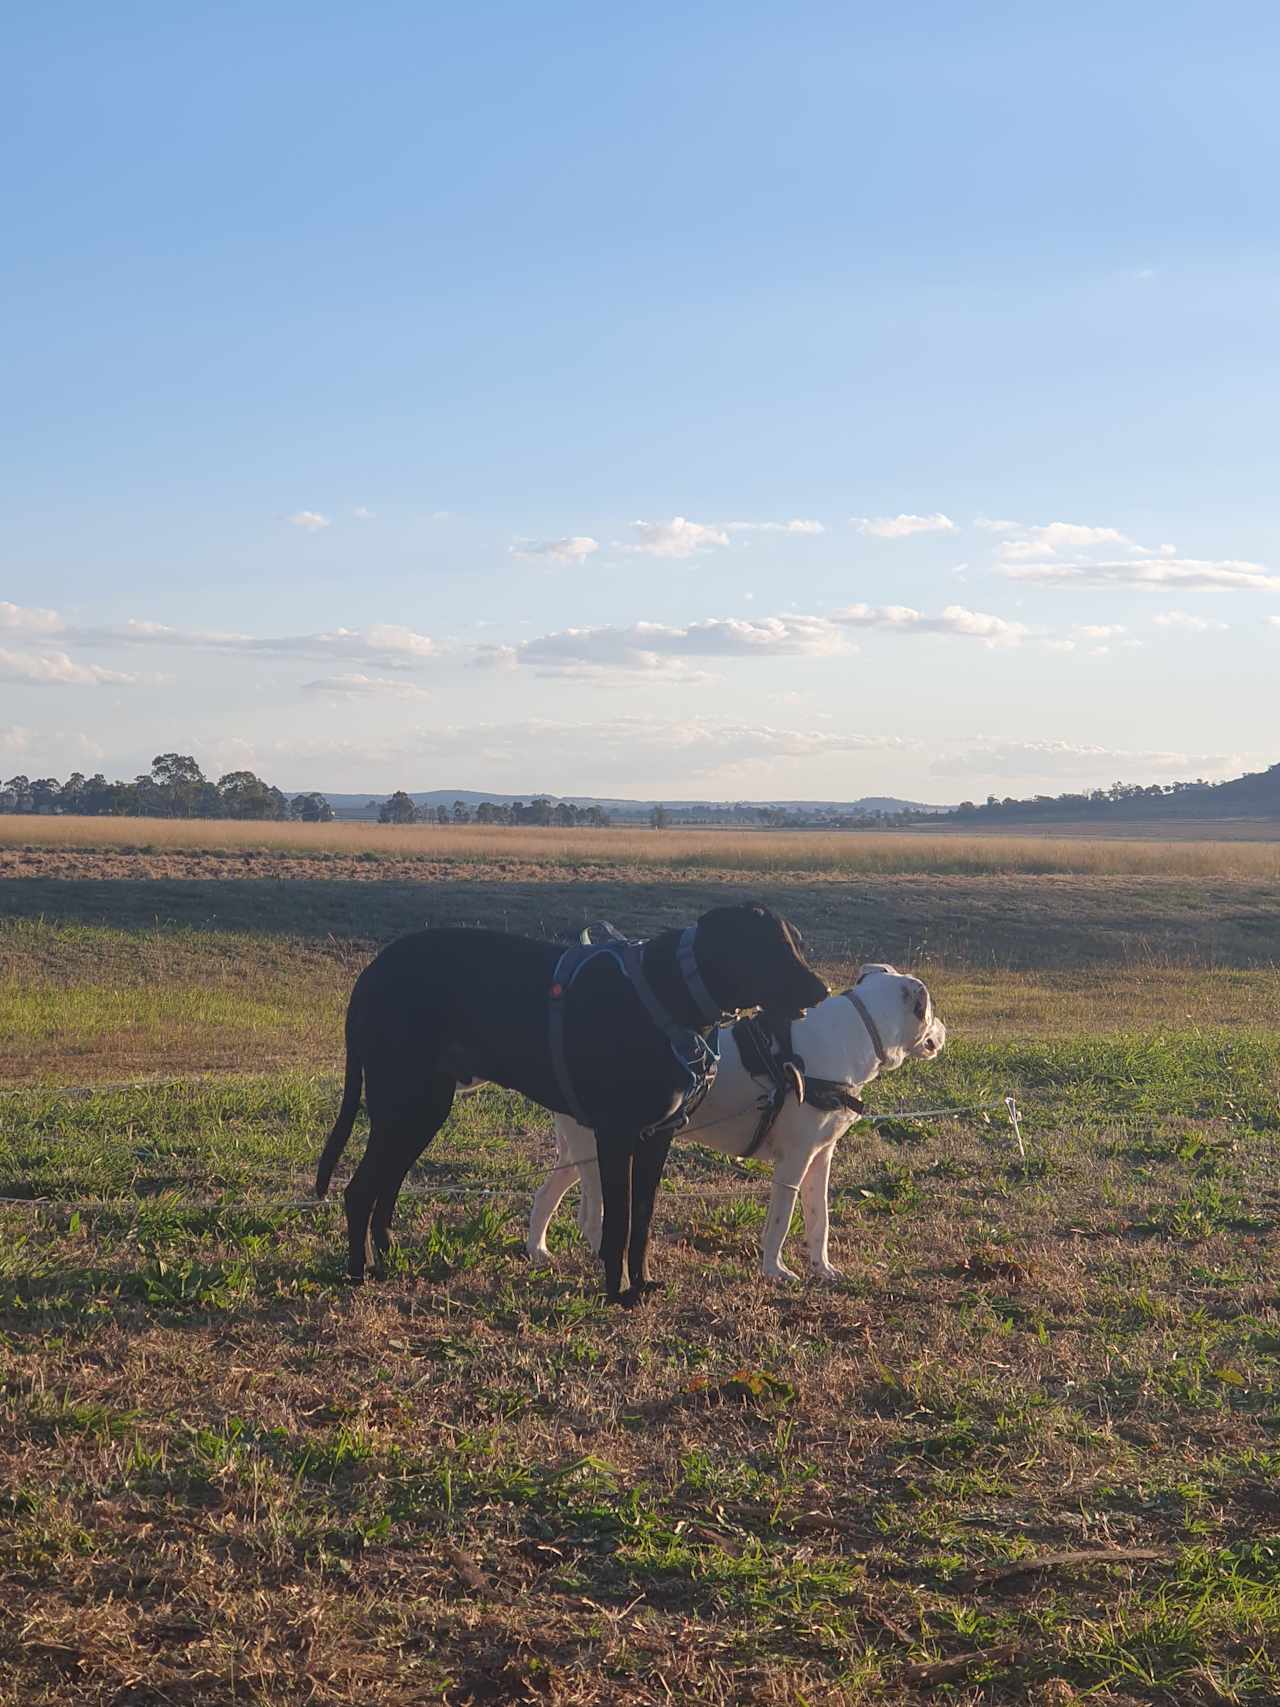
column 227, row 1478
column 262, row 1133
column 527, row 851
column 83, row 1003
column 79, row 1003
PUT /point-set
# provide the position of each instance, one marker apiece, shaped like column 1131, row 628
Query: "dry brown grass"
column 529, row 851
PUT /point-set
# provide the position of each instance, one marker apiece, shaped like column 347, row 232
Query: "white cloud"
column 389, row 644
column 637, row 755
column 496, row 658
column 32, row 621
column 1071, row 761
column 655, row 648
column 388, row 637
column 649, row 647
column 902, row 527
column 1274, row 621
column 676, row 538
column 955, row 619
column 311, row 520
column 1099, row 630
column 1053, row 537
column 575, row 549
column 1187, row 572
column 15, row 741
column 630, row 750
column 798, row 525
column 1185, row 620
column 358, row 686
column 363, row 514
column 1072, row 554
column 48, row 750
column 56, row 669
column 997, row 524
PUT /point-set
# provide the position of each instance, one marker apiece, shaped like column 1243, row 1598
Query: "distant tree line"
column 399, row 808
column 1257, row 792
column 175, row 787
column 745, row 816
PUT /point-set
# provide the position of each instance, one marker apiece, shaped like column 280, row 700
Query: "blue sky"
column 619, row 401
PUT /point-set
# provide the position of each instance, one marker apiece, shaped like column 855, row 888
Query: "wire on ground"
column 98, row 1205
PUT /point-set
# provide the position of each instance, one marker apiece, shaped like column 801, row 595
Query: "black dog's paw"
column 640, row 1293
column 647, row 1287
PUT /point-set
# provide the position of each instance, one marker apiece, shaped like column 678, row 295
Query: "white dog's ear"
column 916, row 997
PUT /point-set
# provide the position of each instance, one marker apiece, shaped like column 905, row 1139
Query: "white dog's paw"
column 780, row 1272
column 539, row 1256
column 824, row 1271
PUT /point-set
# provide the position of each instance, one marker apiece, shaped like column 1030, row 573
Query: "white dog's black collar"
column 872, row 1029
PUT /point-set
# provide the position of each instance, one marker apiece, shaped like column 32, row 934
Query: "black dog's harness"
column 697, row 1057
column 765, row 1047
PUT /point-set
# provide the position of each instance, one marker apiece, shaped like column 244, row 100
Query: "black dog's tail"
column 337, row 1142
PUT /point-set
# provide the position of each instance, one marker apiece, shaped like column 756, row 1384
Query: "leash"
column 309, row 1205
column 906, row 1116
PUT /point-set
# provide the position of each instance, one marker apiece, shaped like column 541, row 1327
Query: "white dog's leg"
column 813, row 1206
column 548, row 1197
column 590, row 1200
column 787, row 1174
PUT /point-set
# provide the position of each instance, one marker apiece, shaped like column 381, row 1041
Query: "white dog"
column 847, row 1040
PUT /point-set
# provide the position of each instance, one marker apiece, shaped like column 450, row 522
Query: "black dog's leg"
column 360, row 1196
column 401, row 1157
column 395, row 1143
column 616, row 1158
column 651, row 1158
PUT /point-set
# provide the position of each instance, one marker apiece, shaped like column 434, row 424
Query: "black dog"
column 442, row 1007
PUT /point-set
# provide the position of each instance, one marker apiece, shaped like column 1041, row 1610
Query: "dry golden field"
column 720, row 851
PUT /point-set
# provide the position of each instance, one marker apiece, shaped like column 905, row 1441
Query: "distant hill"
column 353, row 805
column 1254, row 795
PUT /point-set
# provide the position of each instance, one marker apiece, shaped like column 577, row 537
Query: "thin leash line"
column 312, row 1204
column 119, row 1205
column 691, row 1135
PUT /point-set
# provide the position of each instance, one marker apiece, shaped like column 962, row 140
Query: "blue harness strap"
column 697, row 1056
column 687, row 961
column 568, row 966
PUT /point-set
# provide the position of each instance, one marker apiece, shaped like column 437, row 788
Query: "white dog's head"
column 902, row 1009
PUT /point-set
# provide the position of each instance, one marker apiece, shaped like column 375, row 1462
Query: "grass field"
column 525, row 852
column 1027, row 1450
